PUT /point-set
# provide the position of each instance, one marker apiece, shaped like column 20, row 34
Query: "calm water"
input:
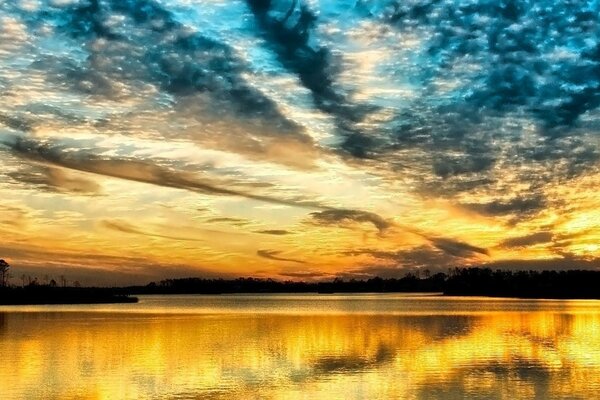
column 303, row 347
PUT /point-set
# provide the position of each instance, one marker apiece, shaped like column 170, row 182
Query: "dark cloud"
column 55, row 179
column 183, row 62
column 125, row 227
column 438, row 255
column 343, row 216
column 425, row 256
column 520, row 69
column 203, row 79
column 478, row 161
column 276, row 232
column 519, row 205
column 16, row 123
column 290, row 29
column 457, row 248
column 274, row 255
column 534, row 57
column 528, row 240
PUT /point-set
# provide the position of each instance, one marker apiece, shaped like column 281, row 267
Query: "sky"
column 150, row 139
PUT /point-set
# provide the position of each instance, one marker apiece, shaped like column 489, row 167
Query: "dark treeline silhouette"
column 32, row 292
column 580, row 284
column 409, row 283
column 45, row 294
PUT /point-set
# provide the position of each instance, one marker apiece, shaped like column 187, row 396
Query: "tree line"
column 458, row 281
column 471, row 281
column 28, row 280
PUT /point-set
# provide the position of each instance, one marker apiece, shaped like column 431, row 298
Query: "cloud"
column 503, row 92
column 55, row 179
column 134, row 170
column 490, row 106
column 126, row 227
column 424, row 256
column 457, row 248
column 342, row 216
column 16, row 123
column 276, row 232
column 528, row 240
column 520, row 205
column 526, row 56
column 274, row 255
column 290, row 29
column 140, row 51
column 164, row 51
column 232, row 221
column 440, row 256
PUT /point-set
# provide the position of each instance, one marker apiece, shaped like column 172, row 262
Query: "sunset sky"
column 142, row 139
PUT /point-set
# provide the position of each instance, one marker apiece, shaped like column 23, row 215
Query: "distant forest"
column 458, row 282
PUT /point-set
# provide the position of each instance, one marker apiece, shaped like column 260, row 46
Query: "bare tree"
column 4, row 268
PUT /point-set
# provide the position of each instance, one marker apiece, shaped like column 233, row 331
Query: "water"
column 303, row 347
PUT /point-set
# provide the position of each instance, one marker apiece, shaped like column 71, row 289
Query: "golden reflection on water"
column 499, row 355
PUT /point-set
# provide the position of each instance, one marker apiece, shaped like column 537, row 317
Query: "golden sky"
column 295, row 140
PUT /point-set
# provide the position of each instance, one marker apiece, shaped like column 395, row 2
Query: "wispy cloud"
column 126, row 227
column 341, row 216
column 134, row 170
column 275, row 255
column 276, row 232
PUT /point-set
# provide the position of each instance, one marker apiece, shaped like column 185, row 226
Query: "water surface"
column 384, row 346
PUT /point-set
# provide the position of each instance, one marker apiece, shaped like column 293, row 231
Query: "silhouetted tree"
column 4, row 268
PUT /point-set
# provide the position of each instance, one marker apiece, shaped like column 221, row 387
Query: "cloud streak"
column 344, row 216
column 134, row 170
column 125, row 227
column 274, row 255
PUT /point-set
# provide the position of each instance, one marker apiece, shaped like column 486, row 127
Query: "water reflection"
column 118, row 355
